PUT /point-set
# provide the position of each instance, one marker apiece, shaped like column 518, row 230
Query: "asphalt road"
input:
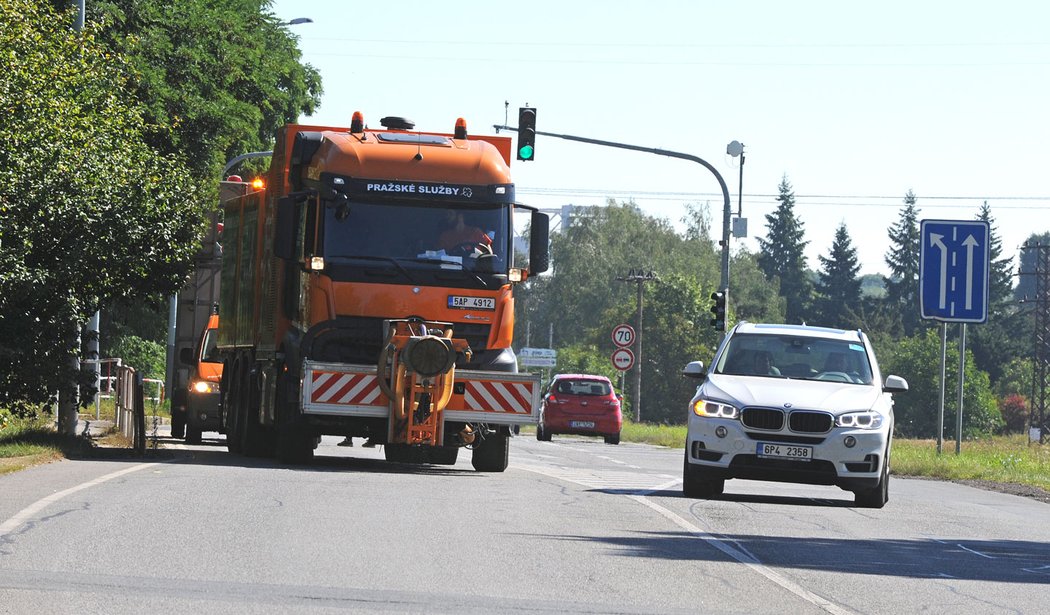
column 573, row 526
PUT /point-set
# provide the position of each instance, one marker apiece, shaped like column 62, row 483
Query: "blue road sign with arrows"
column 953, row 270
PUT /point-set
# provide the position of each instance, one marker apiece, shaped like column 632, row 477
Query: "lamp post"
column 295, row 22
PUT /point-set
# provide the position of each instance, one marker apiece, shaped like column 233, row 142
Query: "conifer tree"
column 838, row 287
column 782, row 255
column 902, row 286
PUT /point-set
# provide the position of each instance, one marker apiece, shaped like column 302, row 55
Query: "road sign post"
column 954, row 266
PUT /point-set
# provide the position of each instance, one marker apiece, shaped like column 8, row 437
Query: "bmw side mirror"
column 695, row 369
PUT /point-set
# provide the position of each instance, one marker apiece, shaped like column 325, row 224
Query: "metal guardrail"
column 131, row 407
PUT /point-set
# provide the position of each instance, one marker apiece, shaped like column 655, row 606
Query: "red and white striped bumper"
column 485, row 397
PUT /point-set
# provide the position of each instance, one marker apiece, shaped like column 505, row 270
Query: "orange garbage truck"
column 367, row 291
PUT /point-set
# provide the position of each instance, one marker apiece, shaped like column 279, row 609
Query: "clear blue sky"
column 856, row 103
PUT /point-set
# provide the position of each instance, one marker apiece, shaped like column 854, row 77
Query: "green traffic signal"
column 526, row 133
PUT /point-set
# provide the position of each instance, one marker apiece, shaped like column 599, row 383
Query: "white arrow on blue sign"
column 953, row 270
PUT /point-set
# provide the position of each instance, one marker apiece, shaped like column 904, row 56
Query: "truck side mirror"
column 186, row 356
column 284, row 235
column 539, row 243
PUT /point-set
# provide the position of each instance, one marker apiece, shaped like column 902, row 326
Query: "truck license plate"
column 785, row 451
column 459, row 302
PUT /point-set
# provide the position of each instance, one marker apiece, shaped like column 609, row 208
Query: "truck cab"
column 202, row 388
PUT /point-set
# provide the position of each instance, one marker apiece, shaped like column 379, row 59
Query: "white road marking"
column 26, row 513
column 597, row 479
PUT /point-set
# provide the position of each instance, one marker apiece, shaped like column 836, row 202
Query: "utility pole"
column 1041, row 353
column 640, row 277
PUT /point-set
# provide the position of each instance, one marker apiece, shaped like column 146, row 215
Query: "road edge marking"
column 23, row 515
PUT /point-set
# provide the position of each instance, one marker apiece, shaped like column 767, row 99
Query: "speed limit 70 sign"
column 623, row 336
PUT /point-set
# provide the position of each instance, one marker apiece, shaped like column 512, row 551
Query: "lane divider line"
column 718, row 542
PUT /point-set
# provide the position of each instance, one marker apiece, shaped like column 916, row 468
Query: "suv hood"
column 834, row 397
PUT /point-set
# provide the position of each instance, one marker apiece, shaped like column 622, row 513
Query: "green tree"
column 595, row 247
column 782, row 255
column 838, row 289
column 1029, row 258
column 88, row 211
column 216, row 79
column 918, row 359
column 752, row 297
column 902, row 286
column 1008, row 332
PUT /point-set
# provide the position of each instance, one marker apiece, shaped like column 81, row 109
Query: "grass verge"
column 26, row 443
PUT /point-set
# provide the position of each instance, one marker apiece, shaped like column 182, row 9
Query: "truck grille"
column 355, row 339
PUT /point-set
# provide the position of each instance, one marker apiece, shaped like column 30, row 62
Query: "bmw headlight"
column 714, row 409
column 859, row 420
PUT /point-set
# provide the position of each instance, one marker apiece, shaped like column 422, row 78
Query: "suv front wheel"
column 696, row 485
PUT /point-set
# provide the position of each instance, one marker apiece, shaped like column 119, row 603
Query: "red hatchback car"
column 580, row 404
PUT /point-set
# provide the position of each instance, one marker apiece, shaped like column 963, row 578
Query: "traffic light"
column 718, row 308
column 526, row 133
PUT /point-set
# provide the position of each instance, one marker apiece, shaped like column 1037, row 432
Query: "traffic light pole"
column 727, row 212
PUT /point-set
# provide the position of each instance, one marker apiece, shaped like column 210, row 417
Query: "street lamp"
column 295, row 22
column 734, row 149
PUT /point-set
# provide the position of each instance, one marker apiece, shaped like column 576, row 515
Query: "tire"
column 232, row 404
column 193, row 434
column 542, row 434
column 294, row 446
column 696, row 485
column 492, row 454
column 612, row 439
column 255, row 441
column 877, row 496
column 178, row 414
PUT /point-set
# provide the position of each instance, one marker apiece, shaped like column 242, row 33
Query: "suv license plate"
column 785, row 451
column 581, row 424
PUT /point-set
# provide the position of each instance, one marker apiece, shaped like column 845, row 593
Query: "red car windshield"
column 596, row 388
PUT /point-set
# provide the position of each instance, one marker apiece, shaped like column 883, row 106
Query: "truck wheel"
column 492, row 454
column 294, row 446
column 232, row 406
column 193, row 435
column 178, row 414
column 696, row 485
column 255, row 441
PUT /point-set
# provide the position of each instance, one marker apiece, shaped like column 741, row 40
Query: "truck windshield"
column 436, row 236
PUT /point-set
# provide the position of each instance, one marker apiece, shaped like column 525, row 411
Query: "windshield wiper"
column 385, row 259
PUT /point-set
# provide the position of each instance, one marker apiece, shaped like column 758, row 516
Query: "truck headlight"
column 714, row 409
column 859, row 420
column 203, row 386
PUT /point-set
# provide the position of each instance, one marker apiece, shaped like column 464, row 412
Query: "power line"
column 1023, row 202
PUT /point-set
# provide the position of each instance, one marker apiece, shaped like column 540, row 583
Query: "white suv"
column 791, row 403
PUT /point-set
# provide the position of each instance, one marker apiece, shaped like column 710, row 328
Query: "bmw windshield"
column 796, row 357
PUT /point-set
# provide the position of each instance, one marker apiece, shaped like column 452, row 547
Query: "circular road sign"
column 623, row 359
column 623, row 335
